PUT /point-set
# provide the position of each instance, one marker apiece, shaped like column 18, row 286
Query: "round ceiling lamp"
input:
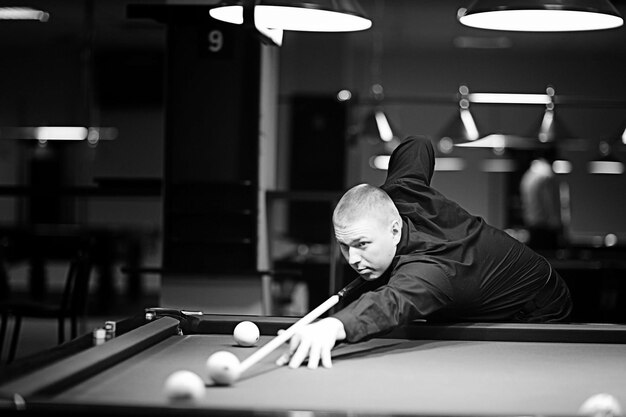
column 541, row 15
column 308, row 16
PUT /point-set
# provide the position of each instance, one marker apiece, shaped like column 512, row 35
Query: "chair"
column 71, row 306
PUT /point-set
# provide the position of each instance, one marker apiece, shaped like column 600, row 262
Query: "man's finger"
column 293, row 345
column 294, row 342
column 301, row 353
column 326, row 358
column 314, row 356
column 283, row 359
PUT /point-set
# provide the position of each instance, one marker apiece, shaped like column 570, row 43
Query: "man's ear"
column 396, row 230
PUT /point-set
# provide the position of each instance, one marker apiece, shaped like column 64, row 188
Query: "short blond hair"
column 365, row 201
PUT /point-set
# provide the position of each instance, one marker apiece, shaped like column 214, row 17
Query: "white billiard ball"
column 601, row 405
column 246, row 333
column 223, row 367
column 184, row 385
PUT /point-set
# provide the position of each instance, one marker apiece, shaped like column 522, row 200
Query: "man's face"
column 368, row 245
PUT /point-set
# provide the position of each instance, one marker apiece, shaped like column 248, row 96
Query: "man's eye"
column 362, row 244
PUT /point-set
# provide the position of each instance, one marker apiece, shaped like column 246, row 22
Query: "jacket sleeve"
column 414, row 158
column 405, row 298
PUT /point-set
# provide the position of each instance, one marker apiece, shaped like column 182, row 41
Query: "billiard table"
column 419, row 369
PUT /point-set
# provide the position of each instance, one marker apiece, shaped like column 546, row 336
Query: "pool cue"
column 307, row 319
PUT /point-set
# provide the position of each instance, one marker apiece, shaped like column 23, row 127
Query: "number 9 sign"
column 217, row 43
column 216, row 40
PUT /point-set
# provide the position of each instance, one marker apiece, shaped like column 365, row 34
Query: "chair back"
column 76, row 291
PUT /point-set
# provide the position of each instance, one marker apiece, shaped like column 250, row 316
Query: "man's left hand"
column 314, row 341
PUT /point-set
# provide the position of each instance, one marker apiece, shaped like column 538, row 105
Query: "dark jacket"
column 449, row 264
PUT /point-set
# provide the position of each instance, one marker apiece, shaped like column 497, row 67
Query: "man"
column 426, row 258
column 541, row 203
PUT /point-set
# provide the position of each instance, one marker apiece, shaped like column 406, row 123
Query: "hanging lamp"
column 308, row 16
column 461, row 128
column 541, row 15
column 377, row 124
column 606, row 162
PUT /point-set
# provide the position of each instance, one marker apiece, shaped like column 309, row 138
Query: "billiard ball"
column 223, row 367
column 246, row 334
column 183, row 385
column 601, row 405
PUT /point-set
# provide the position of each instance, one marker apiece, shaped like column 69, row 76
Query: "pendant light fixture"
column 462, row 128
column 377, row 124
column 541, row 15
column 308, row 16
column 606, row 162
column 549, row 130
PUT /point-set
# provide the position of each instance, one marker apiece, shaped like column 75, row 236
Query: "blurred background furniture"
column 71, row 306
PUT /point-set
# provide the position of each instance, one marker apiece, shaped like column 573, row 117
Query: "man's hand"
column 314, row 341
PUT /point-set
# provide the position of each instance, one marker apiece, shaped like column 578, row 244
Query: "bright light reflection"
column 546, row 124
column 469, row 124
column 384, row 129
column 498, row 165
column 60, row 133
column 610, row 240
column 276, row 35
column 561, row 166
column 229, row 14
column 446, row 145
column 542, row 20
column 23, row 13
column 344, row 95
column 606, row 167
column 449, row 164
column 380, row 162
column 509, row 98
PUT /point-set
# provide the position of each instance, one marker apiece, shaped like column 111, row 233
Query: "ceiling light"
column 541, row 15
column 46, row 133
column 606, row 163
column 23, row 13
column 509, row 98
column 308, row 16
column 384, row 128
column 561, row 166
column 377, row 125
column 462, row 128
column 449, row 164
column 380, row 162
column 498, row 165
column 606, row 167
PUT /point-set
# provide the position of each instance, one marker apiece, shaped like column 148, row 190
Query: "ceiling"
column 402, row 24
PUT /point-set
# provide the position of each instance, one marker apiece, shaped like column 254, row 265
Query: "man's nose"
column 354, row 256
